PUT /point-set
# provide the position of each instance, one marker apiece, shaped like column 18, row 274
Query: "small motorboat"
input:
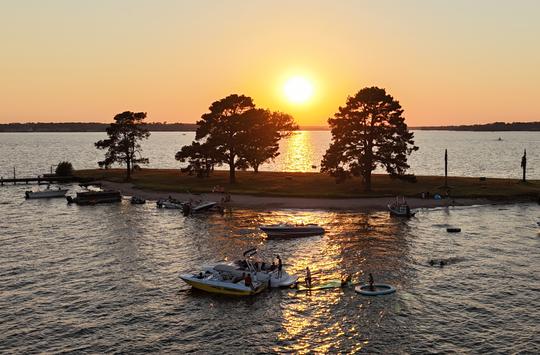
column 169, row 203
column 197, row 206
column 292, row 230
column 220, row 284
column 48, row 193
column 137, row 200
column 400, row 208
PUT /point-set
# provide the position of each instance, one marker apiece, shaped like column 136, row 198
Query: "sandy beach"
column 265, row 202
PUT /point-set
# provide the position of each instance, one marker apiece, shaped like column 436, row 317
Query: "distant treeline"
column 495, row 126
column 87, row 127
column 100, row 127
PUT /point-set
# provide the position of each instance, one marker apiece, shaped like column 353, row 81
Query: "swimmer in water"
column 441, row 263
column 432, row 262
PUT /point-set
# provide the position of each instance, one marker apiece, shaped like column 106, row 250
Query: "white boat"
column 217, row 283
column 400, row 208
column 169, row 204
column 292, row 230
column 48, row 193
column 197, row 206
column 229, row 278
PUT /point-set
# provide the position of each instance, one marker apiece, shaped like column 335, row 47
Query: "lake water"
column 470, row 153
column 96, row 279
column 105, row 279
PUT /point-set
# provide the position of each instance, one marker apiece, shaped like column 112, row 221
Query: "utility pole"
column 524, row 163
column 446, row 168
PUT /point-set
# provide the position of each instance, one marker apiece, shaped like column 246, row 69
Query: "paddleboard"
column 325, row 286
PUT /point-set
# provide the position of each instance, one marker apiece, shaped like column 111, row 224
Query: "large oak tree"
column 266, row 130
column 238, row 134
column 123, row 145
column 369, row 131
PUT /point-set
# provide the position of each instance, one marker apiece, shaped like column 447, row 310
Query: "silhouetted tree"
column 64, row 168
column 123, row 145
column 236, row 133
column 201, row 158
column 369, row 131
column 266, row 128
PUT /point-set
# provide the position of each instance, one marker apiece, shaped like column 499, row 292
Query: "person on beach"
column 371, row 287
column 308, row 277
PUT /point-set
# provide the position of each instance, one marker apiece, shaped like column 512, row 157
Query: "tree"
column 64, row 168
column 225, row 130
column 123, row 145
column 200, row 158
column 369, row 131
column 266, row 129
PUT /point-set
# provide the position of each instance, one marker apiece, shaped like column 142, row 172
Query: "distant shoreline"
column 74, row 127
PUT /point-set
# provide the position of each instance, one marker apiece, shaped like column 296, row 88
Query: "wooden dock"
column 39, row 180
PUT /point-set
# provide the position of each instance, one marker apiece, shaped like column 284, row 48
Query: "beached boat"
column 198, row 206
column 169, row 203
column 136, row 200
column 292, row 230
column 400, row 208
column 48, row 193
column 95, row 197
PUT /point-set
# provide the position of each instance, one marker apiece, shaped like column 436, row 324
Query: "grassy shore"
column 317, row 185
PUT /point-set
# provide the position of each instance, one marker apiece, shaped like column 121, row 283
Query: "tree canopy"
column 369, row 131
column 123, row 143
column 237, row 134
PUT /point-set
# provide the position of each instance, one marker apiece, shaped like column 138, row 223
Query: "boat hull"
column 45, row 194
column 220, row 287
column 283, row 232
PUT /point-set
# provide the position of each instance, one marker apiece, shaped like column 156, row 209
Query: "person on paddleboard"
column 308, row 277
column 371, row 287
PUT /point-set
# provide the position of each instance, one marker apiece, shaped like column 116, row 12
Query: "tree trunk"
column 232, row 172
column 128, row 164
column 256, row 168
column 367, row 181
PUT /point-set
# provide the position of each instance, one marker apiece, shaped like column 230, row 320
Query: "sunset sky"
column 447, row 62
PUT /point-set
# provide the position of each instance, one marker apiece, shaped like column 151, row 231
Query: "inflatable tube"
column 380, row 289
column 453, row 230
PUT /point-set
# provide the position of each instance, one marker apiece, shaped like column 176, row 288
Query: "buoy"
column 453, row 230
column 380, row 289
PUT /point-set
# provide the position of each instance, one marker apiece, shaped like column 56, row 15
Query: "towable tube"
column 380, row 289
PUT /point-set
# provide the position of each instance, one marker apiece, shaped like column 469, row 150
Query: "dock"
column 38, row 180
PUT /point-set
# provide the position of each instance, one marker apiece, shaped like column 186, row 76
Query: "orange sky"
column 447, row 62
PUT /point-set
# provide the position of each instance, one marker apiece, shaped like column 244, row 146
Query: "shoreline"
column 265, row 202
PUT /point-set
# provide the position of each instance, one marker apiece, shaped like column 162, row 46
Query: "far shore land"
column 265, row 190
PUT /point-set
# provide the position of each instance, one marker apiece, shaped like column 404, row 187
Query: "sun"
column 298, row 90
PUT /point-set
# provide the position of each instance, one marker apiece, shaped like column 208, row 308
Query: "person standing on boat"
column 308, row 277
column 279, row 266
column 248, row 282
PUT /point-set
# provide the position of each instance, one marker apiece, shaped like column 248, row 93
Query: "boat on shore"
column 292, row 230
column 95, row 197
column 399, row 208
column 48, row 193
column 136, row 200
column 169, row 203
